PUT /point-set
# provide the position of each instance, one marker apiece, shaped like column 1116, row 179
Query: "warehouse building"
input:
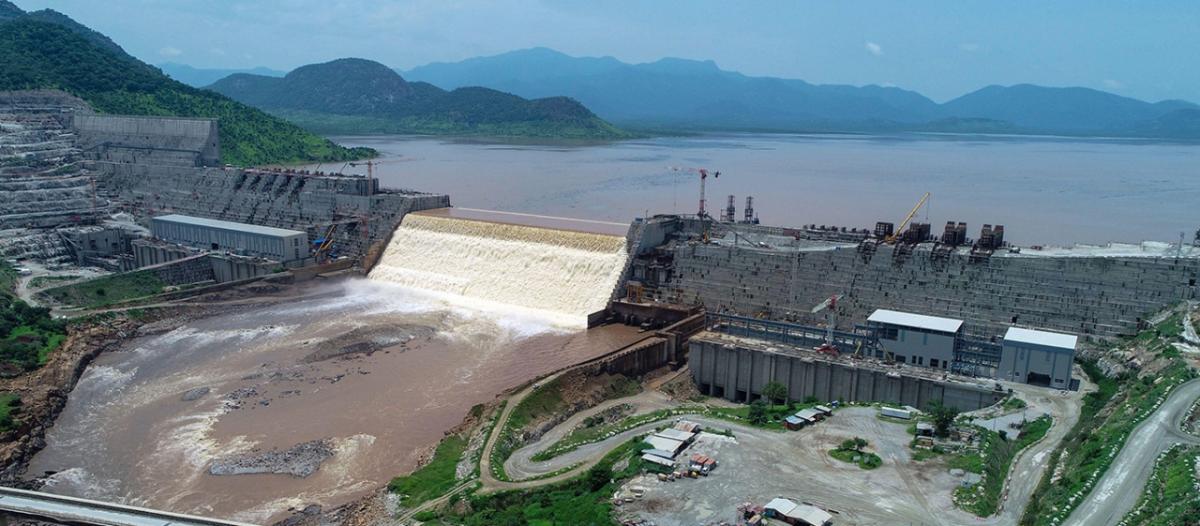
column 916, row 339
column 1037, row 357
column 226, row 236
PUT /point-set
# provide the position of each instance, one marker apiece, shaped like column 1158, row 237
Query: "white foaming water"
column 502, row 267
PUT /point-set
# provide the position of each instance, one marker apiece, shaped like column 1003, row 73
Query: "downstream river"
column 1044, row 190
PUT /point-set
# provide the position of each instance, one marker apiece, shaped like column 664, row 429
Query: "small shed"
column 924, row 429
column 690, row 427
column 649, row 457
column 824, row 409
column 668, row 445
column 810, row 414
column 793, row 423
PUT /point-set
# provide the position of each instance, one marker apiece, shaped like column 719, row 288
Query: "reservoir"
column 1044, row 190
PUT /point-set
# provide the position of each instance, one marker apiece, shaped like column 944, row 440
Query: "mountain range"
column 690, row 94
column 47, row 50
column 201, row 77
column 353, row 95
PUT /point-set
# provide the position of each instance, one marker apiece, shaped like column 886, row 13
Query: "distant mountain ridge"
column 201, row 77
column 697, row 94
column 354, row 95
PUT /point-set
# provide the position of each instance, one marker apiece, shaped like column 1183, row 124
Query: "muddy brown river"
column 379, row 371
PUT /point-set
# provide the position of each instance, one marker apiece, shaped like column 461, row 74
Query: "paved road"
column 1121, row 486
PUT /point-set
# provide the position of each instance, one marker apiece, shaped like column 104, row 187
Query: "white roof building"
column 916, row 321
column 1045, row 338
column 675, row 434
column 811, row 515
column 665, row 444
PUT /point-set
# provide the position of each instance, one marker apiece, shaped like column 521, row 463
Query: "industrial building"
column 1037, row 357
column 916, row 339
column 225, row 236
column 797, row 514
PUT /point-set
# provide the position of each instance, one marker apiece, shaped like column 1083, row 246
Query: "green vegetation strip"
column 1172, row 495
column 107, row 290
column 27, row 334
column 10, row 405
column 435, row 478
column 993, row 463
column 584, row 500
column 1090, row 447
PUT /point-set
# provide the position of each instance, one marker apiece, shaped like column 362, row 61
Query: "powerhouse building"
column 1037, row 357
column 226, row 236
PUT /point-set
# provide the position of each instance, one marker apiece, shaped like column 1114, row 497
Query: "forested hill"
column 361, row 96
column 38, row 54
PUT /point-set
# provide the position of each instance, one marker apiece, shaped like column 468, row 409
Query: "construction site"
column 290, row 293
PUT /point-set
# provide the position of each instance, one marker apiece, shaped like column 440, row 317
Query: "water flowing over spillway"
column 566, row 273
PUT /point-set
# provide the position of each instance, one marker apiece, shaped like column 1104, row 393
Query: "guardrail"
column 75, row 510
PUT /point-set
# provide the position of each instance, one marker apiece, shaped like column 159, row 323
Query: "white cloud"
column 1114, row 84
column 170, row 51
column 874, row 49
column 969, row 47
column 217, row 51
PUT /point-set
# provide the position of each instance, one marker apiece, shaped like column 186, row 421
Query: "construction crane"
column 903, row 224
column 830, row 307
column 703, row 172
column 370, row 164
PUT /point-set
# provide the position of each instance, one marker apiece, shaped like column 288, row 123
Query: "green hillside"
column 361, row 96
column 36, row 54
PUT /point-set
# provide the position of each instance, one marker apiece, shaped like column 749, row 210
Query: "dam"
column 567, row 270
column 456, row 312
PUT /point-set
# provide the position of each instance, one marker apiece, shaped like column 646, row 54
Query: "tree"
column 847, row 445
column 776, row 392
column 758, row 412
column 943, row 418
column 860, row 443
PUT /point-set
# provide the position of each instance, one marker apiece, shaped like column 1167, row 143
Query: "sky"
column 942, row 49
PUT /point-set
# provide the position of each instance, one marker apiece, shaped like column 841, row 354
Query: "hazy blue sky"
column 1145, row 49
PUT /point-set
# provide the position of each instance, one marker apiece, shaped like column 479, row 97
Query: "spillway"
column 488, row 260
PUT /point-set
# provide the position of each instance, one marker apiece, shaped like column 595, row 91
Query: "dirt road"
column 1121, row 486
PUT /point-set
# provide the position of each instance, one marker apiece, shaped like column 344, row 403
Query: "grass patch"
column 584, row 500
column 1171, row 495
column 10, row 405
column 993, row 463
column 435, row 478
column 1013, row 403
column 865, row 460
column 1107, row 418
column 107, row 290
column 42, row 281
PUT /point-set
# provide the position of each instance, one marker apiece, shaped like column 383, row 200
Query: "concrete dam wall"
column 567, row 273
column 1090, row 295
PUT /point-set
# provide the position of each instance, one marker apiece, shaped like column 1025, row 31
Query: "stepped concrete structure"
column 63, row 168
column 780, row 274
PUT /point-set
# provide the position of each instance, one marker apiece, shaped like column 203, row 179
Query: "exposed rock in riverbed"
column 367, row 340
column 191, row 395
column 300, row 460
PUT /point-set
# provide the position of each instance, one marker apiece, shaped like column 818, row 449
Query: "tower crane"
column 903, row 224
column 703, row 172
column 830, row 307
column 370, row 164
